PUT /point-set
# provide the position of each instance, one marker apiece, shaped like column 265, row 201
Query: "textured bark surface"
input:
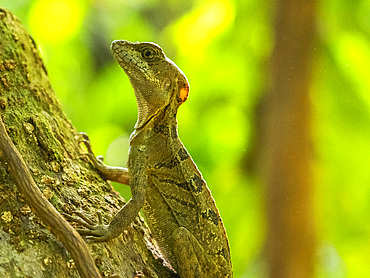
column 46, row 140
column 288, row 146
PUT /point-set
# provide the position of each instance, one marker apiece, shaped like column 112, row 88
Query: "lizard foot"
column 97, row 161
column 93, row 231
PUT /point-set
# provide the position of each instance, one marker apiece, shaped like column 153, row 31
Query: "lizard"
column 164, row 180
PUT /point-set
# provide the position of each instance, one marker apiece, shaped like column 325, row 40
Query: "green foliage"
column 222, row 46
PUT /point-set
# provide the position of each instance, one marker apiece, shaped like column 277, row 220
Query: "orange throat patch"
column 184, row 93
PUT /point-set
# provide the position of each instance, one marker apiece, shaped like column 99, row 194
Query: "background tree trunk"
column 46, row 140
column 291, row 231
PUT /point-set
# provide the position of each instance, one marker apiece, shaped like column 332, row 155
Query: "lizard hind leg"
column 192, row 260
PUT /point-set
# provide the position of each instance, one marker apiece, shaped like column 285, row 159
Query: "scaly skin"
column 164, row 180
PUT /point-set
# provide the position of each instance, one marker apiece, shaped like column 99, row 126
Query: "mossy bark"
column 47, row 142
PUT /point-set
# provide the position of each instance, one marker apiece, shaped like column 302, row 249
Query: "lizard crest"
column 155, row 78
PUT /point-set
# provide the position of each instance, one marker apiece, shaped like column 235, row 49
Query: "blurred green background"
column 223, row 47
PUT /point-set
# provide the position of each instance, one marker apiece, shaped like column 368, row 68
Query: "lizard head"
column 156, row 80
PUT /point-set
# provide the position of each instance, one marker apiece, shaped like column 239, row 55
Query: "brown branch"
column 41, row 206
column 291, row 229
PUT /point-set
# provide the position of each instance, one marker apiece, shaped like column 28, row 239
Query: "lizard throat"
column 142, row 112
column 147, row 112
column 164, row 113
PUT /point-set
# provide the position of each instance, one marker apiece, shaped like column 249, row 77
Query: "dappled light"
column 55, row 20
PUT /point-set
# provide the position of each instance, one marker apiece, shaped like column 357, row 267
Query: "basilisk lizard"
column 164, row 180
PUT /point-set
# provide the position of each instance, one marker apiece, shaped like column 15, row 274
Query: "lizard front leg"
column 97, row 231
column 116, row 174
column 192, row 260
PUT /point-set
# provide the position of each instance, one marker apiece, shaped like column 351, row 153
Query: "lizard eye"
column 148, row 54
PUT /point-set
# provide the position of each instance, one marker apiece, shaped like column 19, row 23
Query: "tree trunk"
column 291, row 231
column 46, row 140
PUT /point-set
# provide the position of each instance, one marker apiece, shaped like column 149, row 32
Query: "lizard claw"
column 97, row 161
column 82, row 137
column 93, row 231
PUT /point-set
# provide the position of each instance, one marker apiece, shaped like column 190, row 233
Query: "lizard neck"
column 144, row 111
column 162, row 126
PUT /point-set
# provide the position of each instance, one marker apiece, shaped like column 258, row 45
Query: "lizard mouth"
column 120, row 52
